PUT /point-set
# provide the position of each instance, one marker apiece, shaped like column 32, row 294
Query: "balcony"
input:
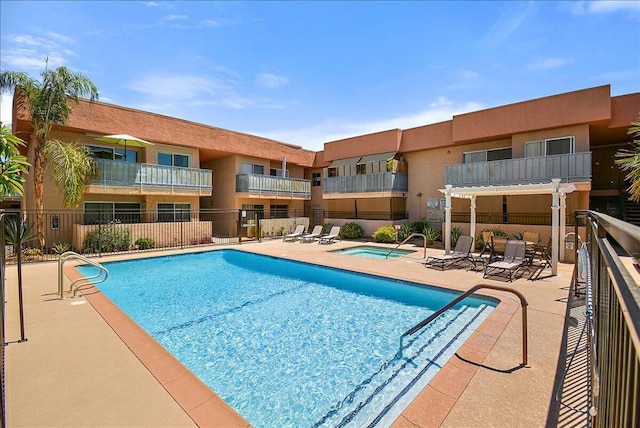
column 385, row 184
column 269, row 186
column 573, row 167
column 117, row 177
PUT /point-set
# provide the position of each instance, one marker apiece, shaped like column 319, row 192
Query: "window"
column 549, row 147
column 361, row 168
column 332, row 172
column 111, row 212
column 278, row 173
column 279, row 211
column 173, row 159
column 487, row 155
column 174, row 212
column 315, row 179
column 113, row 153
column 250, row 168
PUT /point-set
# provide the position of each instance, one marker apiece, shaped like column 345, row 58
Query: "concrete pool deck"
column 80, row 367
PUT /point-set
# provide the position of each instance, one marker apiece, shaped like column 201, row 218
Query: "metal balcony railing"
column 118, row 173
column 570, row 167
column 362, row 183
column 269, row 185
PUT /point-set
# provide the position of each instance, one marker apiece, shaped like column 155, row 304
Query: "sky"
column 306, row 73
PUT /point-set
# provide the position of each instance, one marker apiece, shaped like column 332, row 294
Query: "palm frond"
column 71, row 165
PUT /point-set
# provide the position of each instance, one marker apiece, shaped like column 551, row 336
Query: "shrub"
column 385, row 234
column 61, row 247
column 496, row 232
column 145, row 243
column 431, row 234
column 107, row 238
column 456, row 232
column 18, row 231
column 351, row 231
column 405, row 231
column 418, row 226
column 326, row 228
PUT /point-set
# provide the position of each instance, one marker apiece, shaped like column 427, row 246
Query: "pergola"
column 558, row 190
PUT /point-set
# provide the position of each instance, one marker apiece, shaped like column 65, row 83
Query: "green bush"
column 418, row 226
column 61, row 247
column 385, row 234
column 405, row 231
column 326, row 228
column 145, row 243
column 107, row 238
column 351, row 231
column 456, row 232
column 431, row 234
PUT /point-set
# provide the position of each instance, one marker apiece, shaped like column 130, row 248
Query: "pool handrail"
column 83, row 281
column 406, row 239
column 523, row 304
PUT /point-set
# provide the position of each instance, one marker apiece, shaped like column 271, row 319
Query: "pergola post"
column 447, row 217
column 563, row 222
column 472, row 220
column 555, row 211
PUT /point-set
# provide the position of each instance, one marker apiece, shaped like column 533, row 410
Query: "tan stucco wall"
column 224, row 182
column 380, row 142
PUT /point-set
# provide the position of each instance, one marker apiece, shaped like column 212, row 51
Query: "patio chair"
column 310, row 237
column 498, row 246
column 514, row 259
column 540, row 260
column 486, row 238
column 334, row 234
column 460, row 253
column 299, row 231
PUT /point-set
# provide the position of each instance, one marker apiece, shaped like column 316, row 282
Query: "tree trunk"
column 38, row 182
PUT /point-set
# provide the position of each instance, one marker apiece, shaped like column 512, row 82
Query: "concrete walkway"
column 75, row 370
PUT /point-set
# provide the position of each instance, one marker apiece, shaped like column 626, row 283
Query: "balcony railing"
column 272, row 186
column 363, row 183
column 568, row 167
column 118, row 173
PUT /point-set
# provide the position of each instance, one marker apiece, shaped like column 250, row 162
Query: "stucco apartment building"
column 493, row 161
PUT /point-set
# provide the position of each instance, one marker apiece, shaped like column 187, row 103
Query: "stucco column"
column 473, row 219
column 555, row 241
column 563, row 222
column 447, row 219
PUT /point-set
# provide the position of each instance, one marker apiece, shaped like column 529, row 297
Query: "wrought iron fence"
column 368, row 215
column 120, row 232
column 614, row 252
column 509, row 218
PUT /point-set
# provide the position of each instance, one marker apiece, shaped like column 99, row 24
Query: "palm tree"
column 49, row 102
column 629, row 160
column 13, row 165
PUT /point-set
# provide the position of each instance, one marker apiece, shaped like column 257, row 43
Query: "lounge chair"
column 514, row 259
column 460, row 253
column 540, row 260
column 315, row 234
column 498, row 246
column 299, row 231
column 334, row 234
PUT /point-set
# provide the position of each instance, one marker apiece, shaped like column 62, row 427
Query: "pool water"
column 291, row 344
column 371, row 252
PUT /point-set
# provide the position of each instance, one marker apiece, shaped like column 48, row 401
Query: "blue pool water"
column 371, row 252
column 293, row 344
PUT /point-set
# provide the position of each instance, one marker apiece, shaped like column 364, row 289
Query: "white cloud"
column 6, row 107
column 175, row 17
column 598, row 7
column 548, row 64
column 314, row 137
column 271, row 81
column 28, row 51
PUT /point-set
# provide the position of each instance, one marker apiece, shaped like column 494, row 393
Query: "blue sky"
column 310, row 72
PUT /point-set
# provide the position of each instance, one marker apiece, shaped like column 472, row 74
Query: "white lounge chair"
column 299, row 231
column 334, row 233
column 460, row 253
column 315, row 234
column 514, row 259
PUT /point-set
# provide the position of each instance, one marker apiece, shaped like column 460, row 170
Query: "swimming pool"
column 293, row 344
column 372, row 252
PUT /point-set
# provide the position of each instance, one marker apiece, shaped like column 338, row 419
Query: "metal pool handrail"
column 409, row 237
column 80, row 282
column 523, row 304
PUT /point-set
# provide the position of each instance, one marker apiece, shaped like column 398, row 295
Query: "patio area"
column 77, row 368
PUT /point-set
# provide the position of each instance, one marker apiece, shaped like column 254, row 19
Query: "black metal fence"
column 92, row 233
column 614, row 254
column 368, row 215
column 509, row 218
